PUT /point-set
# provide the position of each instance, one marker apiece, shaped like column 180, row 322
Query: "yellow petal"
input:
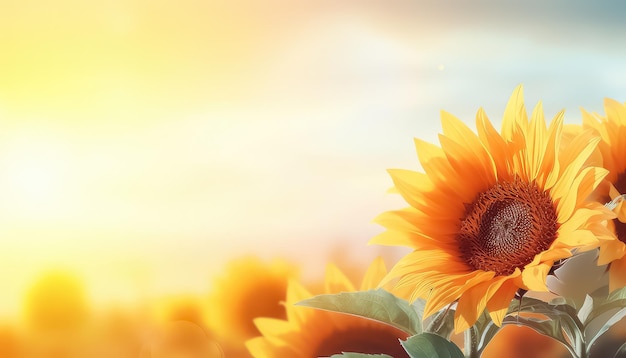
column 534, row 277
column 473, row 301
column 259, row 347
column 295, row 293
column 551, row 167
column 575, row 239
column 610, row 251
column 475, row 152
column 393, row 238
column 374, row 274
column 336, row 281
column 513, row 111
column 498, row 305
column 271, row 328
column 492, row 140
column 449, row 289
column 414, row 188
column 536, row 142
column 553, row 254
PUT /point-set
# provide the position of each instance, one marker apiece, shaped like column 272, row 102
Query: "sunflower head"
column 311, row 333
column 248, row 289
column 491, row 212
column 612, row 130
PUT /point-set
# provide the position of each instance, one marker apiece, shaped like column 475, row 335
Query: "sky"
column 143, row 144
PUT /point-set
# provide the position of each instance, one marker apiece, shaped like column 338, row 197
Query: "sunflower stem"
column 471, row 343
column 579, row 343
column 442, row 324
column 580, row 346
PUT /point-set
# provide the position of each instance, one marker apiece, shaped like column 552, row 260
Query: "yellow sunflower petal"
column 514, row 111
column 549, row 174
column 611, row 250
column 374, row 274
column 578, row 238
column 537, row 140
column 552, row 254
column 393, row 238
column 458, row 132
column 260, row 347
column 534, row 277
column 336, row 280
column 447, row 293
column 474, row 301
column 498, row 305
column 295, row 293
column 272, row 327
column 492, row 140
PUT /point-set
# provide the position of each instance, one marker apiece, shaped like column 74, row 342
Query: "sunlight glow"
column 37, row 171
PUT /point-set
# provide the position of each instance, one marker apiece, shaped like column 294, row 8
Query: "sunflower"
column 248, row 289
column 612, row 130
column 492, row 212
column 310, row 332
column 523, row 342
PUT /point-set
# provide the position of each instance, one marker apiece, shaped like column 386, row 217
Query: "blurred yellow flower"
column 57, row 315
column 309, row 332
column 248, row 289
column 492, row 212
column 612, row 130
column 57, row 302
column 188, row 308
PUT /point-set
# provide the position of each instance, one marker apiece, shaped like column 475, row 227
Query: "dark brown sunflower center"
column 506, row 226
column 620, row 227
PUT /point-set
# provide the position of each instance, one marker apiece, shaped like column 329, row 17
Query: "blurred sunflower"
column 492, row 212
column 523, row 342
column 612, row 130
column 310, row 332
column 248, row 289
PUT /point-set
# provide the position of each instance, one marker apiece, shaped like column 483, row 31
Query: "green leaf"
column 615, row 300
column 378, row 305
column 359, row 355
column 585, row 309
column 430, row 345
column 613, row 319
column 617, row 294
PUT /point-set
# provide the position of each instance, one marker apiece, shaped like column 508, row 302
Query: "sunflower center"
column 620, row 227
column 506, row 226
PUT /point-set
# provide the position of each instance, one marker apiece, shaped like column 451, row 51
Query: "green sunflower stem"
column 581, row 348
column 579, row 342
column 471, row 343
